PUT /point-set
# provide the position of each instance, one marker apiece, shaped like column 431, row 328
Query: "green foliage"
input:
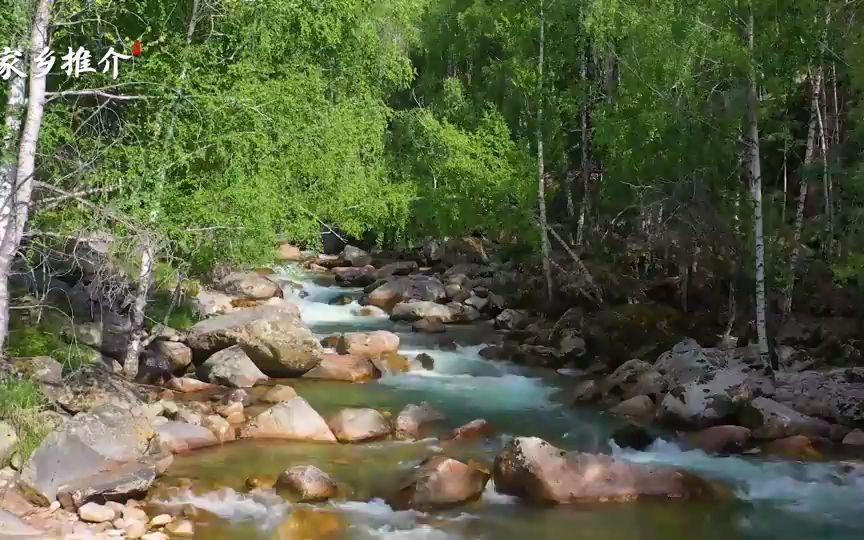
column 26, row 340
column 21, row 401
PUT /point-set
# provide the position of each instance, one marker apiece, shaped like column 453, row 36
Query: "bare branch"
column 93, row 92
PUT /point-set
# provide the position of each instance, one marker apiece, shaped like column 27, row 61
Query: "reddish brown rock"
column 442, row 482
column 413, row 418
column 343, row 367
column 368, row 344
column 356, row 425
column 306, row 483
column 798, row 447
column 475, row 429
column 719, row 439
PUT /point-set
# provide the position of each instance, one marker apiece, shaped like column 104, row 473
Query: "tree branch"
column 93, row 92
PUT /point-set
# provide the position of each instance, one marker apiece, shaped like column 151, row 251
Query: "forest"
column 698, row 158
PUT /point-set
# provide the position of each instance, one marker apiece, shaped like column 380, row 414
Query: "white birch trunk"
column 815, row 83
column 16, row 205
column 826, row 183
column 541, row 188
column 752, row 141
column 586, row 169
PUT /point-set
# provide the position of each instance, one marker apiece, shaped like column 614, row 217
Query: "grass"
column 21, row 401
column 182, row 316
column 27, row 341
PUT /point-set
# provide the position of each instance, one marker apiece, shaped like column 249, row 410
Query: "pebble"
column 96, row 513
column 155, row 536
column 161, row 519
column 135, row 529
column 182, row 528
column 135, row 514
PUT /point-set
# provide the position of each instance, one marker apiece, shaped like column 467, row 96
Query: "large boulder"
column 231, row 367
column 532, row 468
column 8, row 442
column 110, row 335
column 356, row 425
column 442, row 482
column 635, row 407
column 209, row 302
column 306, row 483
column 772, row 420
column 511, row 319
column 413, row 418
column 837, row 394
column 414, row 311
column 40, row 368
column 343, row 367
column 368, row 344
column 633, row 378
column 87, row 446
column 294, row 419
column 272, row 335
column 176, row 355
column 93, row 386
column 355, row 276
column 249, row 285
column 288, row 252
column 403, row 289
column 398, row 268
column 356, row 256
column 709, row 386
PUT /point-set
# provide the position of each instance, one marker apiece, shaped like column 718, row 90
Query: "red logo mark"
column 136, row 48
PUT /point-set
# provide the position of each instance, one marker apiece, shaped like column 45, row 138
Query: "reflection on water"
column 775, row 499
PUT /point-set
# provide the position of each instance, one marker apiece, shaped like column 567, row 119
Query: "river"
column 774, row 499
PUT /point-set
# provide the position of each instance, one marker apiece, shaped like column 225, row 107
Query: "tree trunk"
column 14, row 213
column 586, row 168
column 145, row 277
column 815, row 83
column 752, row 141
column 826, row 184
column 541, row 188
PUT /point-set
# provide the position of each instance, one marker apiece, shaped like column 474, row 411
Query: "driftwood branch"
column 594, row 292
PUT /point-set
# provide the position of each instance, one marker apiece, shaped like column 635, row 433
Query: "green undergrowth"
column 182, row 317
column 21, row 402
column 28, row 340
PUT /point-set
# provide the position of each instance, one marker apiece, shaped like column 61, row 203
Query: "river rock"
column 638, row 406
column 93, row 386
column 462, row 313
column 277, row 394
column 398, row 268
column 442, row 482
column 40, row 368
column 355, row 276
column 96, row 513
column 272, row 335
column 177, row 355
column 403, row 289
column 429, row 325
column 511, row 319
column 532, row 468
column 772, row 420
column 854, row 438
column 356, row 425
column 307, row 483
column 369, row 311
column 426, row 361
column 391, row 363
column 231, row 367
column 633, row 378
column 343, row 367
column 179, row 437
column 719, row 439
column 356, row 256
column 413, row 418
column 17, row 529
column 88, row 444
column 475, row 429
column 586, row 392
column 414, row 311
column 294, row 419
column 368, row 344
column 220, row 427
column 188, row 385
column 837, row 394
column 8, row 442
column 709, row 386
column 249, row 285
column 208, row 302
column 798, row 447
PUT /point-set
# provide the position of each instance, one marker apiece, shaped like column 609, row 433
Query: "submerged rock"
column 231, row 367
column 403, row 289
column 294, row 419
column 795, row 447
column 442, row 482
column 343, row 367
column 633, row 436
column 719, row 439
column 272, row 335
column 429, row 325
column 306, row 483
column 532, row 468
column 357, row 425
column 475, row 429
column 179, row 437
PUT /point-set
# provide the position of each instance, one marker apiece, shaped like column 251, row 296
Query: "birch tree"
column 541, row 176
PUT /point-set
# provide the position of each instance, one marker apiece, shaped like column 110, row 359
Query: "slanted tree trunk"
column 815, row 83
column 752, row 141
column 586, row 163
column 541, row 187
column 16, row 204
column 826, row 184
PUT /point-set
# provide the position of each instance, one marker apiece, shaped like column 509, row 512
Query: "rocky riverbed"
column 338, row 398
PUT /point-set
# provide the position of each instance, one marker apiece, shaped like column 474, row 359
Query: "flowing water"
column 774, row 499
